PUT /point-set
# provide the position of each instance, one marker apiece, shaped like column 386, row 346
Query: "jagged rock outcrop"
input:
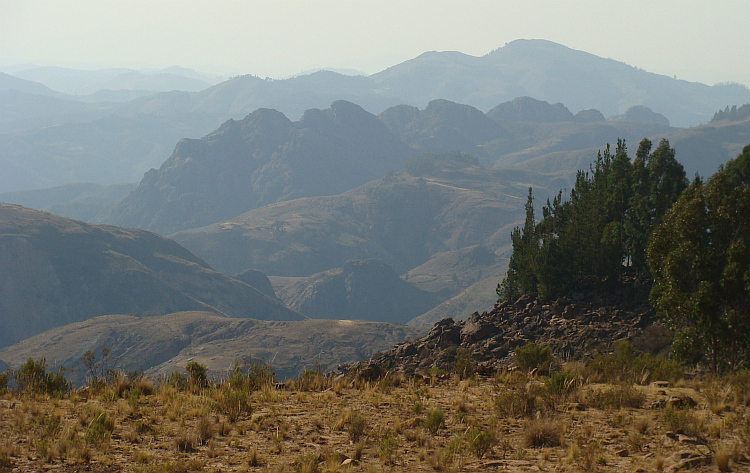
column 574, row 327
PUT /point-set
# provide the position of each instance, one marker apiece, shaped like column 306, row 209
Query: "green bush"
column 251, row 375
column 197, row 372
column 177, row 380
column 357, row 426
column 532, row 356
column 33, row 377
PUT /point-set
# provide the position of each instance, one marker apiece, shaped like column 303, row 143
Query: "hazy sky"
column 705, row 41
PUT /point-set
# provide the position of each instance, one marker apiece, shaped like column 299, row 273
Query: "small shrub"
column 251, row 375
column 387, row 448
column 434, row 420
column 561, row 384
column 177, row 380
column 357, row 426
column 33, row 377
column 204, row 430
column 464, row 364
column 481, row 441
column 532, row 356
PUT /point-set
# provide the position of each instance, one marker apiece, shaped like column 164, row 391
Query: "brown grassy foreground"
column 512, row 422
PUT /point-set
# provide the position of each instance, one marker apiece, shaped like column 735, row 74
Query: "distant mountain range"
column 81, row 82
column 539, row 69
column 262, row 159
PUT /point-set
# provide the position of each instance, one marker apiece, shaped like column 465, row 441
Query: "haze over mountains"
column 539, row 69
column 388, row 198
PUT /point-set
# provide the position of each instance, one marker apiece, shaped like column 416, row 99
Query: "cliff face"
column 54, row 271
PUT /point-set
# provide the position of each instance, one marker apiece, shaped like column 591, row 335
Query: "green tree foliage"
column 700, row 259
column 601, row 229
column 732, row 114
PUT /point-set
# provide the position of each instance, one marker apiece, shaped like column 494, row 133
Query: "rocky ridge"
column 575, row 326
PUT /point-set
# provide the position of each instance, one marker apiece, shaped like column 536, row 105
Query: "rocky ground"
column 576, row 326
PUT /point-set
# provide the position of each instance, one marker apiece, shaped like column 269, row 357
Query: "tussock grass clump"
column 100, row 428
column 434, row 420
column 185, row 443
column 617, row 397
column 515, row 403
column 588, row 456
column 625, row 366
column 542, row 432
column 232, row 403
column 684, row 421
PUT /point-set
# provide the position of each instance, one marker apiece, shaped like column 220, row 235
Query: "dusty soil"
column 290, row 429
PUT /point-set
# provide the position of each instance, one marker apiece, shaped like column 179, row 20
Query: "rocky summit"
column 575, row 326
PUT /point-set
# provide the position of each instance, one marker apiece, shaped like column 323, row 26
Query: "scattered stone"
column 593, row 323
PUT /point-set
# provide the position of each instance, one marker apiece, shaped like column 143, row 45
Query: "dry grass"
column 463, row 425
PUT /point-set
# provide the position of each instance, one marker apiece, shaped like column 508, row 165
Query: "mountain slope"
column 262, row 159
column 403, row 219
column 361, row 290
column 162, row 344
column 54, row 271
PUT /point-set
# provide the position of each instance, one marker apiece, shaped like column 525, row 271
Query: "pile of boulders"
column 576, row 326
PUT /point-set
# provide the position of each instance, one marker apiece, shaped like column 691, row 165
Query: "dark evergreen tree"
column 521, row 274
column 603, row 227
column 700, row 260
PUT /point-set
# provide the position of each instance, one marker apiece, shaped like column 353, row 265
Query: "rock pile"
column 575, row 326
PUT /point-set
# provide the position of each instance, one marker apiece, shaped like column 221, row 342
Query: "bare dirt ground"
column 508, row 423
